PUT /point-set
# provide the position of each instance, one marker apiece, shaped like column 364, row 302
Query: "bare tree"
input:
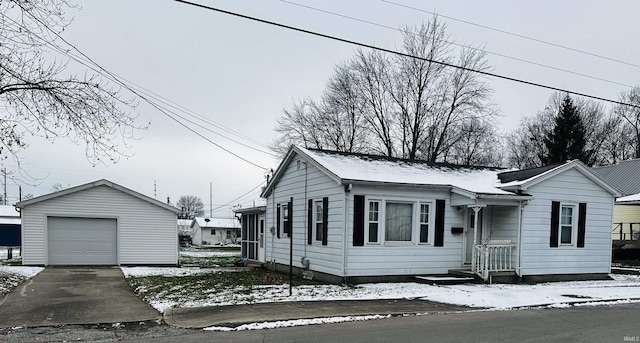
column 400, row 106
column 631, row 115
column 191, row 206
column 40, row 98
column 58, row 187
column 341, row 116
column 604, row 132
column 525, row 144
column 478, row 145
column 373, row 85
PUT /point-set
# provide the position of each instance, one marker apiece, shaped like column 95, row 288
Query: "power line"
column 373, row 47
column 457, row 44
column 113, row 77
column 514, row 34
column 240, row 197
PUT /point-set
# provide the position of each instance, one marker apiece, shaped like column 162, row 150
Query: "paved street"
column 580, row 324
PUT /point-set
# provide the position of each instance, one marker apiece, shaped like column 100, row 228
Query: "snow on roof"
column 629, row 198
column 366, row 168
column 218, row 222
column 9, row 215
column 9, row 211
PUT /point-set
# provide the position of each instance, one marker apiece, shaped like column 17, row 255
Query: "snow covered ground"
column 4, row 252
column 12, row 276
column 496, row 296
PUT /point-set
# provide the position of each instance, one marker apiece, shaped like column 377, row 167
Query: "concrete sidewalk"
column 235, row 315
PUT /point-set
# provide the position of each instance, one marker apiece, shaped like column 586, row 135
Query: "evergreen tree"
column 567, row 141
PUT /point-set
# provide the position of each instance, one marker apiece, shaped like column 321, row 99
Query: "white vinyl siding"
column 570, row 187
column 322, row 258
column 404, row 259
column 147, row 233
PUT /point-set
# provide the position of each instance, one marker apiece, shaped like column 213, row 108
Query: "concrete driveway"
column 74, row 296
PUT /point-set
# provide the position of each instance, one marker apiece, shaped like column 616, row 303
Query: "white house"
column 98, row 223
column 354, row 218
column 215, row 231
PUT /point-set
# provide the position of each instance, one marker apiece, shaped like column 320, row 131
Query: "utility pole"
column 210, row 200
column 155, row 188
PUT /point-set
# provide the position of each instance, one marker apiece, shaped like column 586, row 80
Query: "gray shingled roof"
column 625, row 176
column 524, row 174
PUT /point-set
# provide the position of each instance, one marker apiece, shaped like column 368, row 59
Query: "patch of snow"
column 170, row 271
column 633, row 197
column 4, row 251
column 367, row 169
column 297, row 322
column 211, row 223
column 205, row 253
column 23, row 271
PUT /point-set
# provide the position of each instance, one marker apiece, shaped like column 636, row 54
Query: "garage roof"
column 102, row 182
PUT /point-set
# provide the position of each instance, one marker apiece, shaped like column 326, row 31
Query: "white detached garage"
column 99, row 223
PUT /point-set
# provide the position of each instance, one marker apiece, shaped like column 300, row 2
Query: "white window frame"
column 429, row 222
column 368, row 221
column 317, row 221
column 284, row 217
column 574, row 224
column 415, row 222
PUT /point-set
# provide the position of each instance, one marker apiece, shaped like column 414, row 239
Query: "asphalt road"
column 579, row 324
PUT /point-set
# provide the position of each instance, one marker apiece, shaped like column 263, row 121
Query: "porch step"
column 444, row 279
column 503, row 277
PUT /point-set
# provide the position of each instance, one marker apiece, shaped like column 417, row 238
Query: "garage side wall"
column 146, row 233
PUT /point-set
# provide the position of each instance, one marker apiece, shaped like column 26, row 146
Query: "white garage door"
column 82, row 241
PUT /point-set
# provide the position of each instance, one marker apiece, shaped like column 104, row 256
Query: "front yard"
column 207, row 276
column 225, row 285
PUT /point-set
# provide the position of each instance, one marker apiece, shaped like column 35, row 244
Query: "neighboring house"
column 215, row 231
column 625, row 176
column 9, row 226
column 355, row 218
column 253, row 233
column 98, row 223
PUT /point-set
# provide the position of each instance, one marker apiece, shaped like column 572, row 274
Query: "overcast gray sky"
column 241, row 74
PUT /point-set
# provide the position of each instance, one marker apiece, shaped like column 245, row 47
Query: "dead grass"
column 225, row 284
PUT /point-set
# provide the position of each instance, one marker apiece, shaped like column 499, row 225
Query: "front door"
column 469, row 243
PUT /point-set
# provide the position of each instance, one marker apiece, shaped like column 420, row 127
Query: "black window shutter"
column 582, row 218
column 325, row 220
column 438, row 240
column 290, row 219
column 555, row 222
column 278, row 221
column 358, row 220
column 310, row 222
